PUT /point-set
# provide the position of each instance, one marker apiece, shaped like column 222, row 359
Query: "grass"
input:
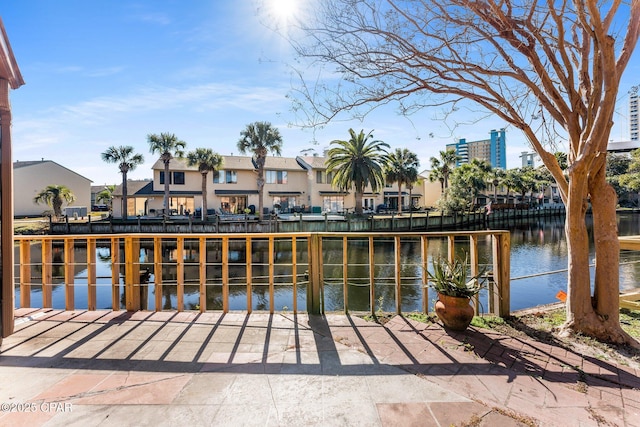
column 31, row 226
column 543, row 325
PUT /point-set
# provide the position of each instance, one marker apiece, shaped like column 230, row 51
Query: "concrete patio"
column 105, row 368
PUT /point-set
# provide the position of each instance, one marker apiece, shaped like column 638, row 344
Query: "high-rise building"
column 528, row 159
column 493, row 150
column 633, row 116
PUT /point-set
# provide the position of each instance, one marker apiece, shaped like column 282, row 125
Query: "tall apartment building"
column 633, row 116
column 493, row 150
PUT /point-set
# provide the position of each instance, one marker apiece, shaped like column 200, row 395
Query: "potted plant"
column 450, row 279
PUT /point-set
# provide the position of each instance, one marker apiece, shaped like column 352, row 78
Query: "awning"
column 404, row 193
column 334, row 193
column 285, row 193
column 234, row 192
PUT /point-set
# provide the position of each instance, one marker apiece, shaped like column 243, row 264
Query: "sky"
column 109, row 73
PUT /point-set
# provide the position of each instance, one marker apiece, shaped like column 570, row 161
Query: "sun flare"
column 283, row 9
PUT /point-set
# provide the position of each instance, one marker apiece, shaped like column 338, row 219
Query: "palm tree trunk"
column 124, row 195
column 260, row 183
column 203, row 214
column 358, row 207
column 399, row 198
column 166, row 188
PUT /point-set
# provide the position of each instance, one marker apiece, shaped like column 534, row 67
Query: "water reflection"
column 537, row 247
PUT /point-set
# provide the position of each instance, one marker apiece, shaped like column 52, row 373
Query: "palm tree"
column 496, row 176
column 436, row 173
column 441, row 167
column 402, row 167
column 106, row 195
column 207, row 161
column 260, row 138
column 511, row 181
column 472, row 177
column 168, row 146
column 357, row 163
column 54, row 196
column 127, row 161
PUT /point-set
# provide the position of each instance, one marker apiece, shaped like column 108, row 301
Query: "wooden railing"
column 217, row 263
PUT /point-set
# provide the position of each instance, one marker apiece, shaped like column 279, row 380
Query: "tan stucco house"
column 31, row 177
column 299, row 184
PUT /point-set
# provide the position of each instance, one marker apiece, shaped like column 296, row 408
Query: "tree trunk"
column 606, row 326
column 260, row 182
column 358, row 207
column 124, row 195
column 166, row 187
column 593, row 316
column 56, row 204
column 578, row 286
column 399, row 198
column 203, row 214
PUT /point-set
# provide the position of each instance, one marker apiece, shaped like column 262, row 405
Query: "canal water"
column 538, row 273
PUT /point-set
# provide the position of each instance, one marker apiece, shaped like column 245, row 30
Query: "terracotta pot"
column 455, row 312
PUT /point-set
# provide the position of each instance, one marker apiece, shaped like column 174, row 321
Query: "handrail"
column 295, row 260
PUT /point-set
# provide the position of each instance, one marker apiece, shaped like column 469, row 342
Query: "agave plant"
column 451, row 278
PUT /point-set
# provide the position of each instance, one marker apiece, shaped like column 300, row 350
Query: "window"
column 231, row 177
column 276, row 177
column 233, row 204
column 225, row 177
column 176, row 178
column 284, row 203
column 333, row 203
column 323, row 177
column 329, row 177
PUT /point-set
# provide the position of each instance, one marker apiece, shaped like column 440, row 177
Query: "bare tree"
column 514, row 59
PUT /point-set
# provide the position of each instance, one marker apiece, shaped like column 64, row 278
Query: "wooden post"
column 345, row 274
column 91, row 273
column 157, row 271
column 10, row 78
column 501, row 271
column 115, row 274
column 47, row 273
column 271, row 255
column 372, row 284
column 180, row 273
column 248, row 255
column 202, row 268
column 294, row 269
column 225, row 274
column 314, row 305
column 398, row 274
column 25, row 273
column 424, row 249
column 473, row 252
column 451, row 254
column 69, row 280
column 132, row 273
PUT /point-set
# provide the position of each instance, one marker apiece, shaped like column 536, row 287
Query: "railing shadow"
column 263, row 343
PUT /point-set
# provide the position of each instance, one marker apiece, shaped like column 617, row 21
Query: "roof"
column 147, row 190
column 234, row 163
column 30, row 163
column 312, row 162
column 622, row 146
column 134, row 186
column 8, row 66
